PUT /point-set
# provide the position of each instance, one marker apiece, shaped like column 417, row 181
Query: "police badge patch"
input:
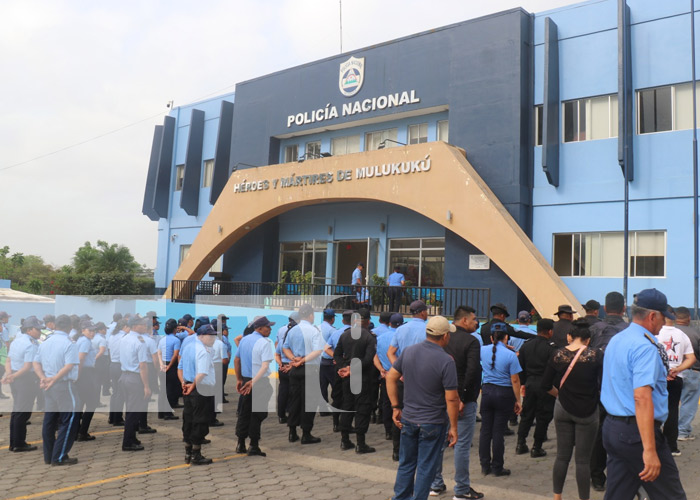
column 351, row 76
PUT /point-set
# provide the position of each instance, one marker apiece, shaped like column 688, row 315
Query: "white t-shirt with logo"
column 677, row 345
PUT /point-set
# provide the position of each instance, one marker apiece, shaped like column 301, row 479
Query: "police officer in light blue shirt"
column 634, row 394
column 283, row 368
column 23, row 382
column 56, row 365
column 384, row 320
column 410, row 333
column 134, row 358
column 327, row 372
column 252, row 361
column 116, row 401
column 357, row 274
column 303, row 345
column 395, row 282
column 382, row 363
column 169, row 350
column 88, row 382
column 199, row 381
column 523, row 325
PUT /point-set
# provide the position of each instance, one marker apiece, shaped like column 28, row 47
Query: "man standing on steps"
column 303, row 346
column 356, row 343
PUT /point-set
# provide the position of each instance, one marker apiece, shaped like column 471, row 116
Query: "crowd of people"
column 614, row 389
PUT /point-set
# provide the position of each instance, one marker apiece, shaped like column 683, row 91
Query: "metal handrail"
column 378, row 298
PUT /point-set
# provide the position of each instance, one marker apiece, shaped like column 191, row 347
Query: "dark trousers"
column 102, row 367
column 624, row 446
column 195, row 417
column 116, row 401
column 283, row 393
column 395, row 298
column 497, row 404
column 387, row 411
column 298, row 414
column 224, row 376
column 537, row 405
column 599, row 456
column 136, row 405
column 360, row 404
column 59, row 428
column 173, row 387
column 88, row 387
column 24, row 390
column 373, row 383
column 396, row 433
column 337, row 398
column 250, row 419
column 326, row 376
column 675, row 388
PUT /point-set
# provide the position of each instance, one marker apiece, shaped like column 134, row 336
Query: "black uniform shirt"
column 466, row 351
column 534, row 356
column 485, row 332
column 363, row 348
column 561, row 329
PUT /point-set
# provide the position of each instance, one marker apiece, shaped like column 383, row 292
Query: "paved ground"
column 290, row 471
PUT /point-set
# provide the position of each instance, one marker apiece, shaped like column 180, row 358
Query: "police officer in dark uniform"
column 499, row 313
column 357, row 343
column 592, row 308
column 537, row 404
column 563, row 326
column 134, row 358
column 337, row 386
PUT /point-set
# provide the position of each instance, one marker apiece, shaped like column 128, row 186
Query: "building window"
column 208, row 173
column 443, row 130
column 345, row 145
column 179, row 177
column 291, row 153
column 184, row 250
column 602, row 254
column 667, row 108
column 313, row 150
column 421, row 260
column 418, row 133
column 539, row 110
column 589, row 119
column 304, row 256
column 373, row 139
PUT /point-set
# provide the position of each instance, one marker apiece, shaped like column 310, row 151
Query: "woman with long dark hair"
column 500, row 397
column 576, row 370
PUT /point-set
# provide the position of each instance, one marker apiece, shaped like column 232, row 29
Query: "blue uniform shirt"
column 187, row 361
column 335, row 336
column 204, row 364
column 84, row 345
column 380, row 330
column 98, row 341
column 356, row 276
column 113, row 345
column 187, row 341
column 383, row 343
column 410, row 333
column 281, row 335
column 133, row 350
column 303, row 339
column 518, row 343
column 228, row 350
column 507, row 364
column 253, row 351
column 167, row 346
column 395, row 279
column 326, row 330
column 55, row 353
column 631, row 361
column 22, row 350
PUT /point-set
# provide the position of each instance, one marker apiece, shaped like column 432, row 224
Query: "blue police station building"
column 535, row 100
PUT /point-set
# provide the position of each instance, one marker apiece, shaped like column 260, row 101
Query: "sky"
column 84, row 83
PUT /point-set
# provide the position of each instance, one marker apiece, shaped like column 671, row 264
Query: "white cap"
column 438, row 326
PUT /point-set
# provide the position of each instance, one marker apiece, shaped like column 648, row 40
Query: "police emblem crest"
column 351, row 76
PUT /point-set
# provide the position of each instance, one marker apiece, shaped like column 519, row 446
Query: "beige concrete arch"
column 433, row 179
